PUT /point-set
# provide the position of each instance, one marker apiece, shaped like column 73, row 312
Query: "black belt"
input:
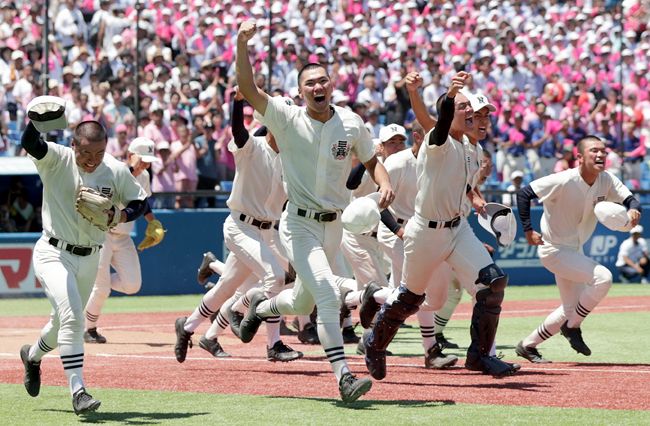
column 319, row 216
column 257, row 223
column 76, row 250
column 449, row 224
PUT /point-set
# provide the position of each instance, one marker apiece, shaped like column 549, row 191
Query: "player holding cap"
column 568, row 221
column 119, row 250
column 67, row 254
column 315, row 144
column 447, row 167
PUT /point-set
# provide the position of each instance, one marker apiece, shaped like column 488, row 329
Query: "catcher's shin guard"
column 388, row 322
column 487, row 309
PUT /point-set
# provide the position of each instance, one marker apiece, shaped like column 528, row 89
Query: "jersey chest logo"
column 599, row 199
column 106, row 191
column 340, row 150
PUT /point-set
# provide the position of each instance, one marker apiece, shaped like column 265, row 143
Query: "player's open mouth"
column 469, row 121
column 600, row 162
column 319, row 99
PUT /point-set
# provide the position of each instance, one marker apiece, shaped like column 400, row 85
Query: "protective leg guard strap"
column 392, row 316
column 485, row 320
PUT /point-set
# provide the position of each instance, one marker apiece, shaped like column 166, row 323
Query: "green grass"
column 614, row 337
column 53, row 406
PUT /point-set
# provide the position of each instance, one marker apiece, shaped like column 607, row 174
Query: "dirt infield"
column 141, row 349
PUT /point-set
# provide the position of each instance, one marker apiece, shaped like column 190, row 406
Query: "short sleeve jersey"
column 444, row 175
column 316, row 156
column 61, row 181
column 257, row 189
column 401, row 168
column 568, row 218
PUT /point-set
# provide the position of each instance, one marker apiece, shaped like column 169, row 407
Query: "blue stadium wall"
column 170, row 268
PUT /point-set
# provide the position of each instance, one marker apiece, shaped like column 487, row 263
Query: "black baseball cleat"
column 309, row 335
column 285, row 330
column 281, row 352
column 352, row 388
column 492, row 365
column 183, row 339
column 213, row 346
column 83, row 403
column 204, row 272
column 444, row 343
column 375, row 359
column 251, row 322
column 530, row 353
column 32, row 377
column 92, row 336
column 574, row 336
column 349, row 336
column 369, row 307
column 235, row 318
column 436, row 360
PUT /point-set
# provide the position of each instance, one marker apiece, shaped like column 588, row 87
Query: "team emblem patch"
column 340, row 150
column 106, row 191
column 599, row 199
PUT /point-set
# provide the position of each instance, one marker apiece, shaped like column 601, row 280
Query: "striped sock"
column 91, row 320
column 550, row 327
column 332, row 341
column 581, row 314
column 219, row 325
column 38, row 350
column 425, row 318
column 198, row 316
column 73, row 366
column 272, row 330
column 241, row 305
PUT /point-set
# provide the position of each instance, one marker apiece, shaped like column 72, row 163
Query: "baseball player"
column 118, row 250
column 316, row 142
column 567, row 223
column 67, row 254
column 447, row 165
column 363, row 252
column 255, row 202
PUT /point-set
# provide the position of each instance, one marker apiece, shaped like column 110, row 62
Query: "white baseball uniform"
column 439, row 230
column 567, row 223
column 68, row 277
column 119, row 252
column 316, row 158
column 256, row 201
column 363, row 251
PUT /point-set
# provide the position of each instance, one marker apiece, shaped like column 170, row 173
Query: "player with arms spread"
column 315, row 148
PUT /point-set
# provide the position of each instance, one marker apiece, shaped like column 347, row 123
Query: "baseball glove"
column 97, row 208
column 153, row 235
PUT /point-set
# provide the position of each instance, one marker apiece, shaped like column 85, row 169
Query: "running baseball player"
column 118, row 250
column 436, row 295
column 255, row 202
column 567, row 223
column 447, row 166
column 362, row 251
column 81, row 187
column 316, row 142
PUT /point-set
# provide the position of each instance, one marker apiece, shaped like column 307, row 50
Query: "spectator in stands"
column 184, row 151
column 516, row 179
column 163, row 177
column 632, row 261
column 206, row 161
column 566, row 161
column 6, row 222
column 22, row 212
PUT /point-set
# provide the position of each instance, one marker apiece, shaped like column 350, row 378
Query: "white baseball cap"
column 613, row 216
column 47, row 113
column 478, row 100
column 145, row 148
column 637, row 230
column 391, row 130
column 500, row 222
column 362, row 215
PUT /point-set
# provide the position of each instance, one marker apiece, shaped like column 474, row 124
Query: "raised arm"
column 413, row 82
column 244, row 70
column 33, row 143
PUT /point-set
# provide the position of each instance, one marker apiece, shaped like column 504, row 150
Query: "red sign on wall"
column 16, row 271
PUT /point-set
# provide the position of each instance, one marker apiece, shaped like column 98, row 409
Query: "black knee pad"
column 492, row 276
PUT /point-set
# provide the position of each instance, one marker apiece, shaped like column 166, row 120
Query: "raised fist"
column 246, row 31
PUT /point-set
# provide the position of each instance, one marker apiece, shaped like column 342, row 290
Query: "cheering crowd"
column 555, row 70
